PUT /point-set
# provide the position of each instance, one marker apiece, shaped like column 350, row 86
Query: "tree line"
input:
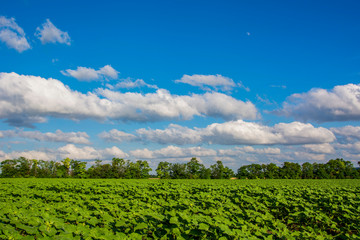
column 120, row 168
column 333, row 169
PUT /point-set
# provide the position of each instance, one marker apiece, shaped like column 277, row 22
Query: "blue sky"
column 238, row 81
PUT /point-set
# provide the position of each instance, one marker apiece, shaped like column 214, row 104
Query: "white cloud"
column 174, row 134
column 29, row 99
column 116, row 136
column 174, row 152
column 238, row 151
column 108, row 71
column 90, row 74
column 128, row 83
column 89, row 153
column 68, row 151
column 240, row 132
column 48, row 33
column 348, row 132
column 142, row 153
column 58, row 136
column 342, row 103
column 304, row 156
column 206, row 81
column 237, row 133
column 40, row 155
column 13, row 35
column 325, row 148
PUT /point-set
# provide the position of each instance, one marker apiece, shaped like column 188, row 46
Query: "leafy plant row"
column 179, row 209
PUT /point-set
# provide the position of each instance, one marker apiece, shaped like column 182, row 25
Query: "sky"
column 238, row 81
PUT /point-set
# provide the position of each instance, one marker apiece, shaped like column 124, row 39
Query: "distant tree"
column 178, row 171
column 228, row 173
column 65, row 169
column 271, row 171
column 144, row 169
column 217, row 170
column 8, row 168
column 23, row 167
column 78, row 169
column 291, row 170
column 34, row 167
column 320, row 171
column 163, row 170
column 243, row 172
column 205, row 173
column 255, row 171
column 118, row 167
column 194, row 168
column 307, row 171
column 95, row 170
column 46, row 169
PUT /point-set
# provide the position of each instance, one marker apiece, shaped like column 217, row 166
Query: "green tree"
column 205, row 173
column 291, row 170
column 65, row 169
column 271, row 171
column 23, row 167
column 78, row 169
column 144, row 169
column 118, row 167
column 307, row 171
column 178, row 171
column 242, row 172
column 34, row 167
column 8, row 168
column 228, row 173
column 217, row 170
column 320, row 171
column 193, row 168
column 163, row 170
column 255, row 171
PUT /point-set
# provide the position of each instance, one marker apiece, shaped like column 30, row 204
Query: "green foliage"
column 179, row 209
column 333, row 169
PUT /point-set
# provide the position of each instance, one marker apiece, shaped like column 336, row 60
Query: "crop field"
column 179, row 209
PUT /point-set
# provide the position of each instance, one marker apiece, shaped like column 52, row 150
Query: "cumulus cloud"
column 304, row 156
column 41, row 155
column 29, row 99
column 237, row 133
column 58, row 136
column 68, row 151
column 115, row 135
column 210, row 81
column 128, row 83
column 48, row 33
column 241, row 132
column 324, row 148
column 174, row 134
column 13, row 35
column 238, row 151
column 90, row 153
column 174, row 152
column 342, row 103
column 90, row 74
column 349, row 133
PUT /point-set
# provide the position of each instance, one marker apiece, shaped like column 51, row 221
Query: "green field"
column 179, row 209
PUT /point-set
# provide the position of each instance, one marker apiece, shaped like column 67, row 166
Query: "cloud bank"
column 57, row 136
column 230, row 133
column 342, row 103
column 25, row 100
